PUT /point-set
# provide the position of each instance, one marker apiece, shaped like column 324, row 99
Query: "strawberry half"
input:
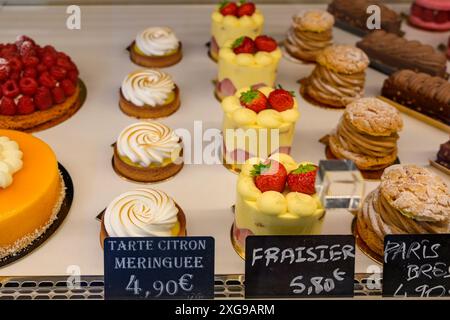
column 265, row 43
column 246, row 9
column 303, row 179
column 228, row 8
column 254, row 100
column 281, row 100
column 243, row 45
column 270, row 176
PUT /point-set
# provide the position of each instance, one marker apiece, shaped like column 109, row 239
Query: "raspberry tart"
column 39, row 86
column 276, row 196
column 231, row 20
column 247, row 62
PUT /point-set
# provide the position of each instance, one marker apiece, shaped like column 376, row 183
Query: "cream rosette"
column 157, row 41
column 10, row 161
column 286, row 205
column 147, row 87
column 268, row 118
column 148, row 142
column 258, row 60
column 141, row 213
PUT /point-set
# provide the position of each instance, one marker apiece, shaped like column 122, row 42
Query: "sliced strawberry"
column 246, row 9
column 303, row 179
column 270, row 176
column 25, row 105
column 47, row 80
column 265, row 43
column 58, row 95
column 243, row 45
column 28, row 86
column 8, row 107
column 228, row 8
column 281, row 100
column 253, row 99
column 68, row 87
column 10, row 89
column 43, row 98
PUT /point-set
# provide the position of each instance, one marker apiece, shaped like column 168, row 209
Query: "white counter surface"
column 205, row 192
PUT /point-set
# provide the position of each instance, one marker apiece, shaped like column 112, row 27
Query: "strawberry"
column 246, row 9
column 10, row 89
column 28, row 86
column 47, row 80
column 254, row 100
column 58, row 95
column 58, row 73
column 243, row 45
column 303, row 179
column 25, row 105
column 281, row 100
column 68, row 87
column 265, row 43
column 8, row 107
column 30, row 61
column 270, row 176
column 228, row 8
column 43, row 98
column 29, row 73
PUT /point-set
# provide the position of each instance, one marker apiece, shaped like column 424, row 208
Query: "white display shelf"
column 205, row 192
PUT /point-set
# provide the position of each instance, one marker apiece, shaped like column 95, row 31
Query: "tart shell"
column 140, row 174
column 155, row 61
column 181, row 220
column 149, row 112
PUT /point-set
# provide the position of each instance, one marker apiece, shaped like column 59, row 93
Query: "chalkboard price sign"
column 159, row 268
column 416, row 265
column 299, row 266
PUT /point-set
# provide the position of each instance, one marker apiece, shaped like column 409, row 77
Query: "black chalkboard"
column 299, row 266
column 416, row 265
column 159, row 268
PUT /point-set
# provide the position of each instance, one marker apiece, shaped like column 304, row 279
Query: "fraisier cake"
column 276, row 197
column 247, row 63
column 230, row 21
column 258, row 123
column 31, row 190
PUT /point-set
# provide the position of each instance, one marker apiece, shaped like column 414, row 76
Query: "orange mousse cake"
column 31, row 190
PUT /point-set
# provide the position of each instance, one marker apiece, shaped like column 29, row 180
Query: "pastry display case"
column 111, row 126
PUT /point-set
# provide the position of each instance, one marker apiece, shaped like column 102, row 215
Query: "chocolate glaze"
column 443, row 156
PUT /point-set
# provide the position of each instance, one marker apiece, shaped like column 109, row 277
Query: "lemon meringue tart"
column 143, row 213
column 31, row 190
column 148, row 151
column 156, row 47
column 149, row 94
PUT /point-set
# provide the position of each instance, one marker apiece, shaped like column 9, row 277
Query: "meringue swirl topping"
column 148, row 142
column 10, row 161
column 147, row 87
column 157, row 41
column 141, row 213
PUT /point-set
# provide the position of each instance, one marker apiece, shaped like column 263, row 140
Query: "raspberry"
column 10, row 89
column 48, row 60
column 47, row 80
column 25, row 105
column 14, row 75
column 68, row 87
column 30, row 61
column 61, row 54
column 58, row 95
column 41, row 68
column 72, row 75
column 58, row 73
column 28, row 86
column 15, row 64
column 29, row 73
column 64, row 63
column 48, row 49
column 4, row 71
column 43, row 98
column 8, row 107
